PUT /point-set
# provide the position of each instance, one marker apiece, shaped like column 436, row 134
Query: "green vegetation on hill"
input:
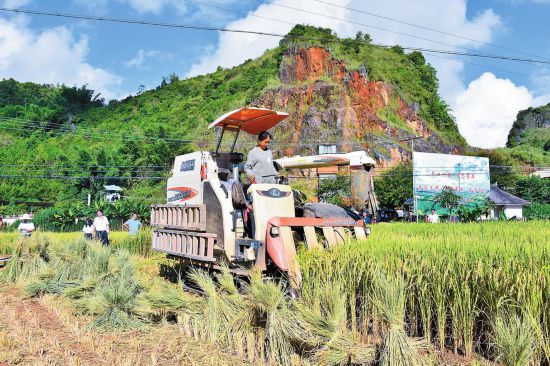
column 530, row 122
column 529, row 138
column 414, row 79
column 111, row 144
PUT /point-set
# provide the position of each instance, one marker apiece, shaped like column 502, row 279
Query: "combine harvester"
column 206, row 222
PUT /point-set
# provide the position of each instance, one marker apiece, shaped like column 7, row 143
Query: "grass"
column 410, row 295
column 140, row 244
column 513, row 339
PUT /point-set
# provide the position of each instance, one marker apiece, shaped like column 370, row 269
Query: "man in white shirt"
column 26, row 227
column 433, row 217
column 101, row 227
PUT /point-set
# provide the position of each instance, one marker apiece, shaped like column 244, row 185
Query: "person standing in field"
column 88, row 229
column 433, row 217
column 365, row 217
column 132, row 225
column 26, row 227
column 101, row 227
column 259, row 165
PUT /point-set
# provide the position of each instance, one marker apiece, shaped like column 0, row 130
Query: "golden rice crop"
column 457, row 279
column 479, row 290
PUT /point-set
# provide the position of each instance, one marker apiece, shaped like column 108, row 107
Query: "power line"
column 80, row 166
column 365, row 25
column 478, row 54
column 201, row 3
column 68, row 177
column 332, row 17
column 438, row 170
column 260, row 33
column 486, row 66
column 87, row 135
column 294, row 24
column 429, row 29
column 16, row 124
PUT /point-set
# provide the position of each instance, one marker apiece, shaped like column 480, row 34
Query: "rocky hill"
column 331, row 102
column 342, row 91
column 532, row 126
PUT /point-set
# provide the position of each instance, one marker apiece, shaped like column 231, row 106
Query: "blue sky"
column 115, row 59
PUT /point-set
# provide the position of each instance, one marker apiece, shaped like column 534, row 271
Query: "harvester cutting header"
column 211, row 217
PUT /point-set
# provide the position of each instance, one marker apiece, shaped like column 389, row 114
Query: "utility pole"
column 411, row 139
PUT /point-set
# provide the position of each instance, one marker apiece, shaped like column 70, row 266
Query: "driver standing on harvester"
column 259, row 169
column 259, row 165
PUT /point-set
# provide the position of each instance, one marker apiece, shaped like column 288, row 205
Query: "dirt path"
column 43, row 331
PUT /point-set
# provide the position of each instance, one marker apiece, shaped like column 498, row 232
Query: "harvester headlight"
column 274, row 231
column 367, row 230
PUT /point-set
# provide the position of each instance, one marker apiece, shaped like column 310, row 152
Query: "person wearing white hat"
column 26, row 227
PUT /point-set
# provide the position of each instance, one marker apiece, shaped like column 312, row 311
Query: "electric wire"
column 484, row 66
column 16, row 124
column 367, row 25
column 294, row 24
column 430, row 29
column 261, row 33
column 332, row 17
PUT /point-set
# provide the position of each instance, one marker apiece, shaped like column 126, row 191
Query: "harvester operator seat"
column 226, row 161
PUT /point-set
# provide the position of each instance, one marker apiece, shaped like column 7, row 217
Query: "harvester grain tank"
column 211, row 218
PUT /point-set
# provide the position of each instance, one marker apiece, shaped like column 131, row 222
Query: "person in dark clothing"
column 366, row 218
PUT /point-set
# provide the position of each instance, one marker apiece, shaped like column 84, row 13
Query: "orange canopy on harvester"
column 250, row 120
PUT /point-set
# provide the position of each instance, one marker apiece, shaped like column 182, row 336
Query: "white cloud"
column 97, row 6
column 448, row 15
column 50, row 56
column 487, row 109
column 138, row 61
column 234, row 48
column 156, row 6
column 141, row 6
column 14, row 3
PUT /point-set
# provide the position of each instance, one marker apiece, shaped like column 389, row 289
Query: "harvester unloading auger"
column 205, row 221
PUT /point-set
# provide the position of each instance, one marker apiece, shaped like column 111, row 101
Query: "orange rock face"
column 329, row 103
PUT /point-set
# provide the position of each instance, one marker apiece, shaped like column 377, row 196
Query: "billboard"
column 467, row 175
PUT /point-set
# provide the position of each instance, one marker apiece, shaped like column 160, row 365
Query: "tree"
column 398, row 49
column 336, row 191
column 448, row 199
column 394, row 186
column 417, row 58
column 534, row 189
column 479, row 209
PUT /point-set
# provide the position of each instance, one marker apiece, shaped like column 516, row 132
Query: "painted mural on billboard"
column 467, row 175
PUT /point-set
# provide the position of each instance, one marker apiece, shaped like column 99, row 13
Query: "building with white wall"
column 506, row 203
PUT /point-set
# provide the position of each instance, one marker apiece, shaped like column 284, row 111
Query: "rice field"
column 412, row 294
column 464, row 287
